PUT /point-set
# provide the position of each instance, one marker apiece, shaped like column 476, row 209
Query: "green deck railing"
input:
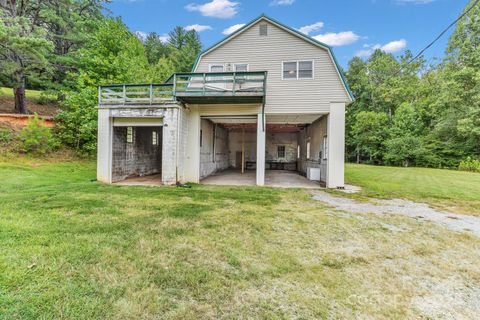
column 183, row 85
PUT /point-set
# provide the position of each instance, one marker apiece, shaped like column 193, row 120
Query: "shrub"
column 6, row 135
column 36, row 138
column 469, row 165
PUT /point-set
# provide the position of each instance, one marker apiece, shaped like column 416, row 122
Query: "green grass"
column 30, row 94
column 73, row 248
column 449, row 189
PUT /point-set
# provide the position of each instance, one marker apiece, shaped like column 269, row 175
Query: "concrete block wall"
column 169, row 146
column 287, row 139
column 139, row 158
column 235, row 145
column 313, row 133
column 214, row 156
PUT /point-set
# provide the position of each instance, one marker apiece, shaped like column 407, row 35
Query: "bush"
column 36, row 138
column 6, row 135
column 469, row 165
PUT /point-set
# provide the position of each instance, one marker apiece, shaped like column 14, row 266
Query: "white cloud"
column 338, row 39
column 141, row 35
column 391, row 47
column 198, row 27
column 216, row 8
column 394, row 46
column 233, row 28
column 414, row 1
column 311, row 27
column 281, row 2
column 164, row 38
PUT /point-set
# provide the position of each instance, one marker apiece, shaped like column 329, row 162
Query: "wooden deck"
column 196, row 88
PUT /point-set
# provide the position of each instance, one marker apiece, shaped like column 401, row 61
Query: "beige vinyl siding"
column 266, row 53
column 229, row 109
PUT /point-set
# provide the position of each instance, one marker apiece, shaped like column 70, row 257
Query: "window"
column 298, row 152
column 289, row 70
column 308, row 150
column 216, row 68
column 130, row 134
column 281, row 151
column 241, row 67
column 298, row 70
column 154, row 138
column 201, row 137
column 264, row 30
column 325, row 147
column 305, row 69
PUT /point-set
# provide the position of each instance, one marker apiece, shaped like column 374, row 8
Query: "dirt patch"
column 18, row 121
column 421, row 211
column 7, row 106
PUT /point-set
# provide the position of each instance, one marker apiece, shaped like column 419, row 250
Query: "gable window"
column 281, row 151
column 298, row 69
column 264, row 30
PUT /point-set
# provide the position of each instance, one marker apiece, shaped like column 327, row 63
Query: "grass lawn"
column 446, row 189
column 74, row 248
column 30, row 94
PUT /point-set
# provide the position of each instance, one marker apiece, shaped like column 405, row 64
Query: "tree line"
column 70, row 47
column 410, row 114
column 418, row 114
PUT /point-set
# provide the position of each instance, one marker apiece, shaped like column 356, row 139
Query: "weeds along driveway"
column 453, row 221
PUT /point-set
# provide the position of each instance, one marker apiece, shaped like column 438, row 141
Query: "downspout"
column 264, row 99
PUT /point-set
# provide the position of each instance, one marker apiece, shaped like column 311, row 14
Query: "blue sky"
column 352, row 27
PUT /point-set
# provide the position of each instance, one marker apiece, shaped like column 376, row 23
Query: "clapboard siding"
column 267, row 54
column 229, row 109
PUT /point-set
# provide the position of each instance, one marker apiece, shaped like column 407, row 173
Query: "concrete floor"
column 273, row 178
column 151, row 180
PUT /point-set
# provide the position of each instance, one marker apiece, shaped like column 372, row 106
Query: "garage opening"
column 294, row 148
column 137, row 153
column 228, row 150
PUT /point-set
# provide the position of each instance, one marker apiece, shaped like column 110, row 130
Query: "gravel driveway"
column 453, row 221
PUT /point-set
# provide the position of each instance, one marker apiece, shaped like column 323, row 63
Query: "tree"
column 369, row 132
column 404, row 146
column 38, row 37
column 23, row 45
column 111, row 55
column 155, row 49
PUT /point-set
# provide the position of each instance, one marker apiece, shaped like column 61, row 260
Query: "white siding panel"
column 229, row 109
column 267, row 54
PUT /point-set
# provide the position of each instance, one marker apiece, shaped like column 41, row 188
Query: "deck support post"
column 336, row 145
column 261, row 150
column 243, row 150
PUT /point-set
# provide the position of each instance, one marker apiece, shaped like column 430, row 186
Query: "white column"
column 336, row 145
column 192, row 161
column 104, row 146
column 260, row 150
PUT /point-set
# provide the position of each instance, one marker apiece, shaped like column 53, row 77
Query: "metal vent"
column 264, row 30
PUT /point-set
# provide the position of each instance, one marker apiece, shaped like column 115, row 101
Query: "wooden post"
column 243, row 150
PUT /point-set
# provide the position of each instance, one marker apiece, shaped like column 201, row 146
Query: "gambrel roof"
column 289, row 30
